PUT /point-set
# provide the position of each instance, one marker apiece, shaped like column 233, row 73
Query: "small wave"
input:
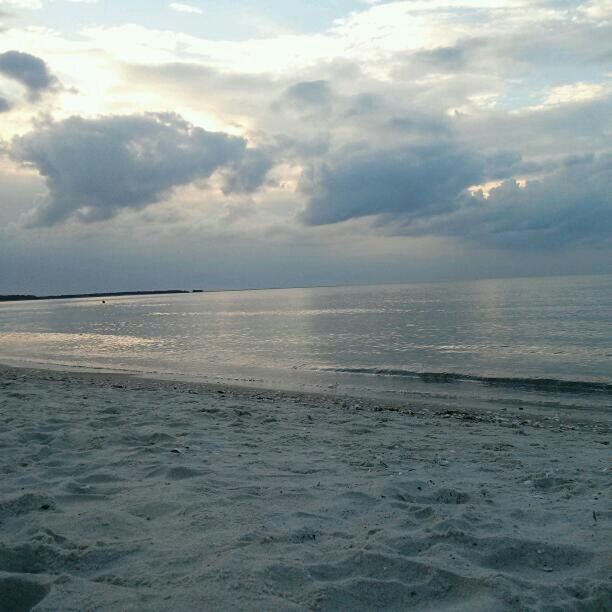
column 533, row 384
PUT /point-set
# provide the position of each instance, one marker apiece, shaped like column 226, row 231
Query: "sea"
column 543, row 341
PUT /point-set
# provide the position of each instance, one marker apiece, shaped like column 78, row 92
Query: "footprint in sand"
column 20, row 594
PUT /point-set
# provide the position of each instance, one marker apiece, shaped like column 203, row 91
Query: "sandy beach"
column 123, row 493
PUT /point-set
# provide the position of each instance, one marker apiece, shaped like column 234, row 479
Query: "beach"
column 127, row 493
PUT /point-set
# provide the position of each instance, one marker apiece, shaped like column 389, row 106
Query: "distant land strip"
column 69, row 296
column 16, row 298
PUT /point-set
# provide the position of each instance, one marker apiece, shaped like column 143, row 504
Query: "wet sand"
column 121, row 493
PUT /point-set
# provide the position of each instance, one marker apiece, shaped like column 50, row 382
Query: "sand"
column 120, row 493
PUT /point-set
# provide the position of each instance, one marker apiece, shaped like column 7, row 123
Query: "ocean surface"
column 542, row 340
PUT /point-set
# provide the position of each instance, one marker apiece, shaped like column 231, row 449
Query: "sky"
column 150, row 144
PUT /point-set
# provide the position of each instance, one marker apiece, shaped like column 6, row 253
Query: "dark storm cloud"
column 93, row 168
column 29, row 70
column 571, row 205
column 409, row 182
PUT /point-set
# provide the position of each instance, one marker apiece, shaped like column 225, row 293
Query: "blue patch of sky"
column 533, row 90
column 228, row 20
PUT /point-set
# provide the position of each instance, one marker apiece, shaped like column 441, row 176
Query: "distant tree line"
column 17, row 297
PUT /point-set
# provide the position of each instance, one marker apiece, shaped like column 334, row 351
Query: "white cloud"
column 575, row 92
column 181, row 7
column 572, row 93
column 28, row 4
column 598, row 9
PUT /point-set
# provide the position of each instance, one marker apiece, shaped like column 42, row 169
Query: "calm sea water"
column 518, row 338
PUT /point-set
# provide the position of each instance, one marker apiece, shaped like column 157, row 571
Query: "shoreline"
column 437, row 402
column 127, row 492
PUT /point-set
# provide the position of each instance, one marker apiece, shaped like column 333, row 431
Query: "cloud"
column 246, row 175
column 452, row 58
column 571, row 205
column 309, row 95
column 408, row 182
column 5, row 105
column 597, row 9
column 203, row 87
column 428, row 191
column 388, row 122
column 27, row 4
column 94, row 168
column 419, row 123
column 29, row 70
column 574, row 93
column 181, row 7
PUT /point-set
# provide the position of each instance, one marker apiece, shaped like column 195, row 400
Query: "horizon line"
column 21, row 297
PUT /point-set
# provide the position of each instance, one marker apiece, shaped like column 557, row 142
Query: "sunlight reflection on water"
column 557, row 328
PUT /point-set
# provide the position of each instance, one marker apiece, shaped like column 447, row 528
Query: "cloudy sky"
column 153, row 144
